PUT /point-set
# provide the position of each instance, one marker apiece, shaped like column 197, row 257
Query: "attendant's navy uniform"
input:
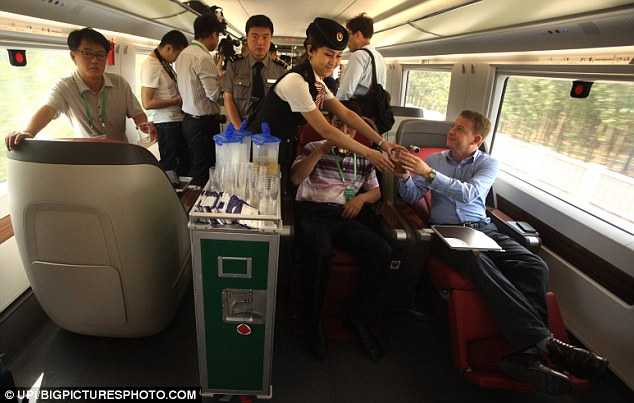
column 283, row 122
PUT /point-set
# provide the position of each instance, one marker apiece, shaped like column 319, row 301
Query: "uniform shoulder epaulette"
column 236, row 57
column 281, row 63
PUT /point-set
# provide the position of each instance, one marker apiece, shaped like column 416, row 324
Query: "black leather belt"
column 478, row 224
column 319, row 204
column 200, row 117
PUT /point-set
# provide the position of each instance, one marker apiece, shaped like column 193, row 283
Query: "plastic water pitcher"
column 229, row 149
column 266, row 148
column 245, row 135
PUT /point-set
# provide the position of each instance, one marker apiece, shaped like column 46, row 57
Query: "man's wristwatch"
column 431, row 175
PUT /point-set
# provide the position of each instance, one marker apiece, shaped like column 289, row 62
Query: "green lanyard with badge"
column 348, row 192
column 103, row 112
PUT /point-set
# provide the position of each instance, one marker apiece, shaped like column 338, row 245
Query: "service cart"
column 235, row 273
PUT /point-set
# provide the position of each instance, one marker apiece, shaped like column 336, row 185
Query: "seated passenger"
column 327, row 211
column 512, row 282
column 96, row 103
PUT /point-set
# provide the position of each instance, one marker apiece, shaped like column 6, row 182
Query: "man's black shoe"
column 316, row 342
column 369, row 343
column 578, row 361
column 531, row 368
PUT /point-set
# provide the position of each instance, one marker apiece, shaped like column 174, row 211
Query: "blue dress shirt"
column 460, row 189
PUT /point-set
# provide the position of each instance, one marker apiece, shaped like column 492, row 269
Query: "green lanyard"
column 339, row 166
column 200, row 46
column 103, row 111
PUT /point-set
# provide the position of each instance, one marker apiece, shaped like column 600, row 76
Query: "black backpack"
column 376, row 103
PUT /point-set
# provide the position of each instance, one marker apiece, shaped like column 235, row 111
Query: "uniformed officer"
column 250, row 76
column 300, row 94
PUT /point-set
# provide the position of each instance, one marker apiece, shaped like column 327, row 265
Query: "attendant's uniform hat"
column 329, row 33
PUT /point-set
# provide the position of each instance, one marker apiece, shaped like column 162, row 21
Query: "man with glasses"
column 96, row 103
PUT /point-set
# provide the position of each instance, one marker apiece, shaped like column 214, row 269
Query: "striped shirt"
column 198, row 80
column 324, row 184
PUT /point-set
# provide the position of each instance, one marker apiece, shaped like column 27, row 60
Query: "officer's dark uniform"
column 283, row 122
column 239, row 80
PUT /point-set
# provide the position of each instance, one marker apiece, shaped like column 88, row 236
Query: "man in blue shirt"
column 512, row 282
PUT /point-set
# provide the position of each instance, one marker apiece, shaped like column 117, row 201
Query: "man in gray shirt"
column 250, row 76
column 96, row 103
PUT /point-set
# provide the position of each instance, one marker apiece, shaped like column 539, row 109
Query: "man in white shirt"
column 159, row 93
column 200, row 91
column 357, row 75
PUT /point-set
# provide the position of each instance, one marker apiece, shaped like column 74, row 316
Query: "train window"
column 578, row 150
column 428, row 90
column 25, row 89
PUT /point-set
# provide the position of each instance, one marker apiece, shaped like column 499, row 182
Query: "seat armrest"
column 393, row 224
column 188, row 198
column 521, row 231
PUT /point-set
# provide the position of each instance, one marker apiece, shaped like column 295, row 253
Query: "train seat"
column 477, row 342
column 101, row 233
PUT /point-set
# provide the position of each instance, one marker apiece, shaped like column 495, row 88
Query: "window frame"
column 436, row 68
column 591, row 232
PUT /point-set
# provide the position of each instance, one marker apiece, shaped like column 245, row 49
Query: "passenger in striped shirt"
column 334, row 186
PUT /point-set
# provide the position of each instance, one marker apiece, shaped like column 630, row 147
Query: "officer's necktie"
column 258, row 84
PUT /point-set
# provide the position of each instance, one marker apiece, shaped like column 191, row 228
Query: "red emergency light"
column 17, row 57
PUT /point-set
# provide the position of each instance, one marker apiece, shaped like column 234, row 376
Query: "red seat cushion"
column 445, row 277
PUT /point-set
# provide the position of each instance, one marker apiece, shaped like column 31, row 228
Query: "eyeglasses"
column 89, row 55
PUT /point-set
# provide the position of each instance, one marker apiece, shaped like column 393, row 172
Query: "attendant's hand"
column 391, row 148
column 352, row 208
column 14, row 138
column 380, row 161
